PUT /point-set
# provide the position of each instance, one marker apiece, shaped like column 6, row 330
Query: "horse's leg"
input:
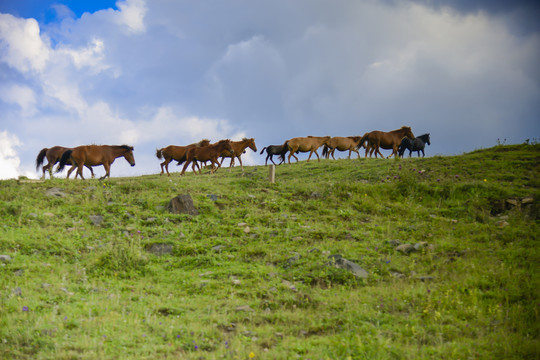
column 185, row 166
column 332, row 153
column 166, row 162
column 318, row 158
column 241, row 165
column 107, row 168
column 91, row 171
column 70, row 171
column 266, row 161
column 79, row 170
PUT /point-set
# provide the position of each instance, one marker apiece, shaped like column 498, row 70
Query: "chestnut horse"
column 53, row 155
column 239, row 148
column 386, row 140
column 206, row 153
column 305, row 144
column 178, row 153
column 94, row 155
column 272, row 150
column 351, row 143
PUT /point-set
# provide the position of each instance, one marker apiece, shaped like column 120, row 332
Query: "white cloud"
column 21, row 95
column 9, row 160
column 21, row 45
column 131, row 15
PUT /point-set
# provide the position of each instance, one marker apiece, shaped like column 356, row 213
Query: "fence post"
column 272, row 174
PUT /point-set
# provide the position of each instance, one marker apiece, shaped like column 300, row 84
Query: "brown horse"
column 239, row 148
column 53, row 155
column 94, row 155
column 385, row 140
column 351, row 143
column 206, row 153
column 305, row 144
column 177, row 153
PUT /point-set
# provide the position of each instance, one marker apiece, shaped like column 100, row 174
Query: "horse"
column 177, row 153
column 386, row 140
column 351, row 143
column 305, row 144
column 272, row 150
column 53, row 155
column 206, row 153
column 94, row 155
column 239, row 148
column 418, row 144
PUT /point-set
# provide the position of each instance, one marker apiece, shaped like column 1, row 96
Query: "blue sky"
column 154, row 73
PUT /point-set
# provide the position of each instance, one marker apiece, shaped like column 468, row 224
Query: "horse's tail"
column 325, row 150
column 263, row 150
column 41, row 157
column 363, row 139
column 182, row 159
column 63, row 160
column 159, row 154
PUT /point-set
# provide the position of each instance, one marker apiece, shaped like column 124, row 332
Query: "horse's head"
column 252, row 145
column 408, row 132
column 128, row 155
column 226, row 145
column 427, row 141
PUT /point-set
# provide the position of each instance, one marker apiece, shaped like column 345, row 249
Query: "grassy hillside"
column 256, row 274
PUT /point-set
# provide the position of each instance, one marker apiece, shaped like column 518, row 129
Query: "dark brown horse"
column 386, row 140
column 178, row 153
column 305, row 144
column 206, row 153
column 94, row 155
column 53, row 155
column 272, row 150
column 351, row 143
column 239, row 148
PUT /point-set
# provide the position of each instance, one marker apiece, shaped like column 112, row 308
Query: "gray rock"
column 17, row 291
column 245, row 308
column 160, row 249
column 96, row 219
column 182, row 204
column 405, row 248
column 5, row 258
column 55, row 192
column 394, row 242
column 212, row 197
column 342, row 263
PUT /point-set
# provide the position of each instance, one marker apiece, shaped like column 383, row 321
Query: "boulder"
column 182, row 204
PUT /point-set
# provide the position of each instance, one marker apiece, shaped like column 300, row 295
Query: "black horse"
column 417, row 144
column 272, row 150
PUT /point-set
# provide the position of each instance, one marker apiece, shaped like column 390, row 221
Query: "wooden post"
column 272, row 174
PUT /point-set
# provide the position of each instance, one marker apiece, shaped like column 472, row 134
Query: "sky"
column 171, row 72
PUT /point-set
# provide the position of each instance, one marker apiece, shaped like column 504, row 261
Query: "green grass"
column 74, row 290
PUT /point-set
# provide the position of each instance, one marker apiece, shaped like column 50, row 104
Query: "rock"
column 342, row 263
column 5, row 258
column 96, row 219
column 245, row 308
column 527, row 201
column 512, row 202
column 48, row 214
column 247, row 229
column 17, row 291
column 182, row 204
column 55, row 192
column 217, row 248
column 212, row 197
column 394, row 242
column 421, row 245
column 405, row 248
column 502, row 224
column 425, row 278
column 160, row 249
